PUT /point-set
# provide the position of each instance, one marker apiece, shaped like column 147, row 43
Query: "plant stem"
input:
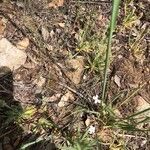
column 108, row 50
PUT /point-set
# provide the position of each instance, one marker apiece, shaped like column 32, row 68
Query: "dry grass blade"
column 91, row 2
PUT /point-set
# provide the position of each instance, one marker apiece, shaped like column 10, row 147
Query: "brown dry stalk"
column 91, row 2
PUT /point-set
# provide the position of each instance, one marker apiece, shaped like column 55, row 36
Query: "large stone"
column 10, row 56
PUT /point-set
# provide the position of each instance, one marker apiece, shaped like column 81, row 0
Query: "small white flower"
column 91, row 129
column 96, row 99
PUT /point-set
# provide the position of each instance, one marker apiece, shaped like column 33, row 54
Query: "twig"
column 91, row 2
column 78, row 94
column 130, row 136
column 72, row 90
column 1, row 136
column 131, row 95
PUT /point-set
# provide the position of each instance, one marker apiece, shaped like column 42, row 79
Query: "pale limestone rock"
column 10, row 56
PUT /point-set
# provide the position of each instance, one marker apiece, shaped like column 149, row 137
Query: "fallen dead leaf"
column 61, row 25
column 29, row 65
column 53, row 98
column 23, row 44
column 77, row 65
column 65, row 99
column 117, row 80
column 2, row 26
column 52, row 33
column 45, row 33
column 87, row 122
column 133, row 85
column 40, row 81
column 105, row 135
column 9, row 52
column 100, row 17
column 141, row 106
column 56, row 3
column 49, row 47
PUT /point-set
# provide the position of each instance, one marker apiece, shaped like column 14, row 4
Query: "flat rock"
column 10, row 56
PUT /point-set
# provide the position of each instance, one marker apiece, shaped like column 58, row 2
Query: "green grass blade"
column 138, row 113
column 108, row 50
column 131, row 95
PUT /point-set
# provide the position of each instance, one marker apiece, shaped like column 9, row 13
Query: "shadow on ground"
column 11, row 134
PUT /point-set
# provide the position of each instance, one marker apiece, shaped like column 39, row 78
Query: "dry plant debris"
column 76, row 67
column 23, row 44
column 2, row 26
column 50, row 88
column 56, row 3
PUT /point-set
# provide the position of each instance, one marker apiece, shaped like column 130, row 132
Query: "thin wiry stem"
column 91, row 2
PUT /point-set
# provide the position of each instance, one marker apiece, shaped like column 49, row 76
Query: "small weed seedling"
column 130, row 18
column 80, row 142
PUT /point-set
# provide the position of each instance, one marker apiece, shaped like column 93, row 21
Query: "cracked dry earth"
column 48, row 73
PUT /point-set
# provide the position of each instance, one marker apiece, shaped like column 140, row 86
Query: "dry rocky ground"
column 51, row 72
